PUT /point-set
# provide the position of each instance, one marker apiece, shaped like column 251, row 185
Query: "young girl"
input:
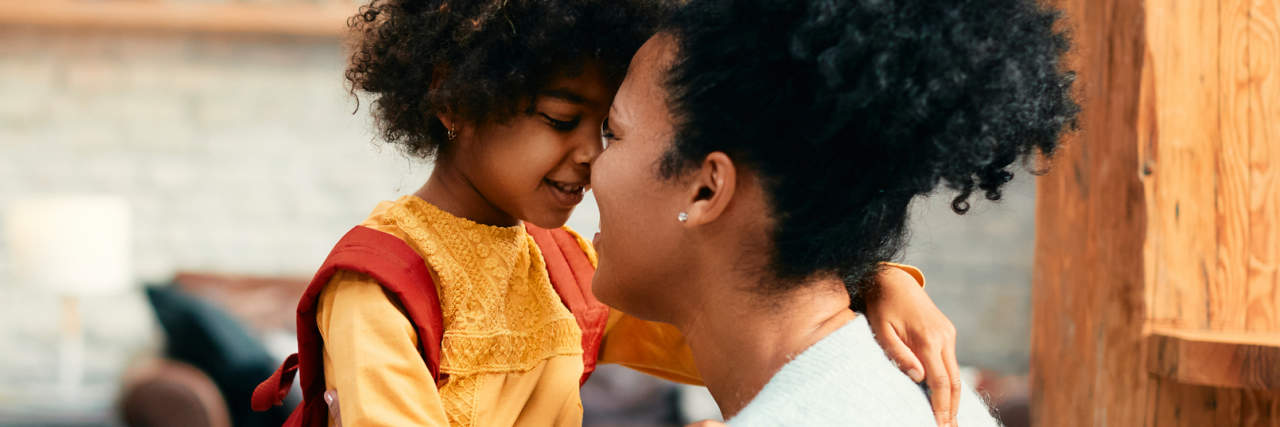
column 507, row 98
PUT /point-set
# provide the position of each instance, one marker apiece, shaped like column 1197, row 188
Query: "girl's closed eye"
column 562, row 125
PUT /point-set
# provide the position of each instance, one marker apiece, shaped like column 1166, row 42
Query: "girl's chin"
column 549, row 220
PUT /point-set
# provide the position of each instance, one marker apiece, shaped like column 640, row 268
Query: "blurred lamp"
column 73, row 246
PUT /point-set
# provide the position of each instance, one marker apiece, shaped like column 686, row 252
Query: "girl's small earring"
column 682, row 217
column 451, row 134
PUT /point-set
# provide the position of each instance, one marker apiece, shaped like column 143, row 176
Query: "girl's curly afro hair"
column 481, row 60
column 849, row 109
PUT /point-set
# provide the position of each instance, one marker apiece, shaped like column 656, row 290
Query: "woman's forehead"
column 641, row 93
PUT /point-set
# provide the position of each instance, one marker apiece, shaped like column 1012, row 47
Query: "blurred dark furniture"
column 214, row 354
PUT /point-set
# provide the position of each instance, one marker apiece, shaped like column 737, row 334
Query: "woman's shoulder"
column 844, row 379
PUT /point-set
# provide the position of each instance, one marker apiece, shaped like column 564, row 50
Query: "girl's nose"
column 588, row 147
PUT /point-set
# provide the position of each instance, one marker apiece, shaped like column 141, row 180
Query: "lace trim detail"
column 466, row 354
column 458, row 395
column 500, row 312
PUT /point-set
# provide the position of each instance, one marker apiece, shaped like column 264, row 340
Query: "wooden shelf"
column 1218, row 359
column 300, row 19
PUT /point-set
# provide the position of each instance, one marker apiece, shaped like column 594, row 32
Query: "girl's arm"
column 912, row 330
column 655, row 348
column 371, row 357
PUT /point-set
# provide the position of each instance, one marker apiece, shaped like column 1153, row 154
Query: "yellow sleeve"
column 655, row 348
column 914, row 272
column 371, row 357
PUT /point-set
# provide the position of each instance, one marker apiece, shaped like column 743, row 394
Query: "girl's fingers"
column 939, row 379
column 331, row 400
column 954, row 369
column 899, row 353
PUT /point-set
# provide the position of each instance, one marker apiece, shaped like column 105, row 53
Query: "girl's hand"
column 918, row 337
column 331, row 400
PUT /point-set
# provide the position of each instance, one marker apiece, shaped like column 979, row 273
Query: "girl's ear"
column 445, row 115
column 447, row 120
column 710, row 189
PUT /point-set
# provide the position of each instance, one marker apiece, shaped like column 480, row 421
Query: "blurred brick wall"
column 238, row 154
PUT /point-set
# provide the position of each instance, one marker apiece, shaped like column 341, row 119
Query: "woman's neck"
column 741, row 340
column 451, row 191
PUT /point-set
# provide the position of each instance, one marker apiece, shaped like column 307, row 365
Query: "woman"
column 767, row 151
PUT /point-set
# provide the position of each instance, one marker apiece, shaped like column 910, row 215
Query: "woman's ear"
column 711, row 189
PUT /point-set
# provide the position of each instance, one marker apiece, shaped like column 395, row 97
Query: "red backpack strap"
column 401, row 272
column 570, row 271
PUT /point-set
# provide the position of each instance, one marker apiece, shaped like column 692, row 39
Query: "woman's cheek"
column 613, row 240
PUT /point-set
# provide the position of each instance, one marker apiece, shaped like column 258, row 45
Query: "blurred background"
column 218, row 138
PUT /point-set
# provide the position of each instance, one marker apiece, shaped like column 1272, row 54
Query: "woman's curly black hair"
column 482, row 60
column 849, row 109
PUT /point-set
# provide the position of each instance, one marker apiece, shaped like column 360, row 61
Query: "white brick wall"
column 238, row 154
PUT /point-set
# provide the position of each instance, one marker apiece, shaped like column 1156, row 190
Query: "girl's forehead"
column 588, row 87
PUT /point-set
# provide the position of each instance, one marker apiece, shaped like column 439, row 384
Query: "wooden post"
column 1158, row 227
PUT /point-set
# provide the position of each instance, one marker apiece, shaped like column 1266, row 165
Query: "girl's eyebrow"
column 573, row 97
column 564, row 94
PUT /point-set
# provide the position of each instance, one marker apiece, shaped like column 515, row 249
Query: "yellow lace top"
column 511, row 350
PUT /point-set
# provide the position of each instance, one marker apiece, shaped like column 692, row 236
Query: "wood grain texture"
column 1187, row 90
column 1260, row 408
column 1087, row 297
column 1234, row 360
column 1231, row 283
column 1263, row 64
column 1197, row 283
column 1182, row 45
column 1191, row 405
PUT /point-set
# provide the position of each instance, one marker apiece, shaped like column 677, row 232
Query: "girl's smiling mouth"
column 565, row 193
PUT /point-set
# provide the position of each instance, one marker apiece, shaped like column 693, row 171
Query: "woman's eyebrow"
column 618, row 118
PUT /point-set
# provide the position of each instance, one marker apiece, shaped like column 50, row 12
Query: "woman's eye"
column 606, row 134
column 561, row 125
